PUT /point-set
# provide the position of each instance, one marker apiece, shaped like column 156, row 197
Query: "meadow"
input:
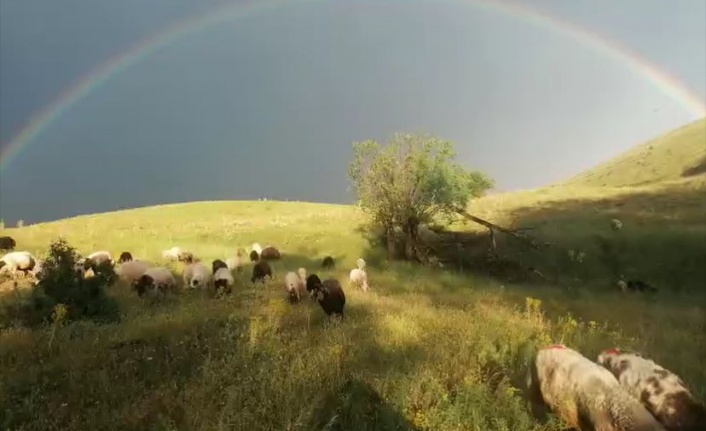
column 427, row 348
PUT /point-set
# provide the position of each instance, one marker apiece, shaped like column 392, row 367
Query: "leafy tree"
column 409, row 181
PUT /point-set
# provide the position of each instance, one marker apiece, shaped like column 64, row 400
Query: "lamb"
column 662, row 392
column 217, row 264
column 261, row 270
column 132, row 270
column 155, row 281
column 586, row 395
column 358, row 276
column 329, row 294
column 328, row 263
column 270, row 253
column 295, row 284
column 222, row 278
column 172, row 253
column 7, row 243
column 236, row 263
column 22, row 261
column 125, row 256
column 197, row 275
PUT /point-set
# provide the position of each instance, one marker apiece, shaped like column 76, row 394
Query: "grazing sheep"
column 256, row 248
column 616, row 224
column 95, row 259
column 155, row 281
column 295, row 284
column 270, row 253
column 172, row 253
column 125, row 256
column 312, row 283
column 663, row 393
column 329, row 294
column 7, row 243
column 328, row 263
column 132, row 270
column 254, row 257
column 197, row 275
column 236, row 263
column 22, row 261
column 222, row 278
column 586, row 395
column 261, row 270
column 187, row 257
column 358, row 276
column 635, row 286
column 218, row 264
column 38, row 271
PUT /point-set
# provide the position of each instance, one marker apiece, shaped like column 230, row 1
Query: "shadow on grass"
column 698, row 169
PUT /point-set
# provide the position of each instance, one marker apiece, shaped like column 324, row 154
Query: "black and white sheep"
column 218, row 264
column 270, row 253
column 96, row 259
column 661, row 391
column 223, row 278
column 260, row 271
column 7, row 243
column 197, row 276
column 15, row 261
column 156, row 281
column 125, row 256
column 328, row 263
column 358, row 276
column 328, row 293
column 584, row 394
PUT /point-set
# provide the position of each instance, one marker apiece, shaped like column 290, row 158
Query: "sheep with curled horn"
column 661, row 391
column 584, row 394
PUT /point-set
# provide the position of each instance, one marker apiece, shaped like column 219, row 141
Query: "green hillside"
column 679, row 153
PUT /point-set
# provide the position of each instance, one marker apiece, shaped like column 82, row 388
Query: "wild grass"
column 679, row 153
column 424, row 349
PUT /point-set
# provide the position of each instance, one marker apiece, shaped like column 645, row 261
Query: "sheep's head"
column 142, row 284
column 360, row 263
column 302, row 274
column 80, row 268
column 254, row 256
column 218, row 264
column 125, row 256
column 257, row 248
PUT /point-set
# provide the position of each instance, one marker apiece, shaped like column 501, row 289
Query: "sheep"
column 187, row 257
column 270, row 253
column 584, row 394
column 261, row 270
column 217, row 264
column 7, row 243
column 312, row 282
column 172, row 253
column 635, row 285
column 328, row 263
column 22, row 261
column 197, row 275
column 132, row 270
column 662, row 392
column 295, row 284
column 155, row 281
column 222, row 278
column 616, row 224
column 358, row 276
column 254, row 257
column 256, row 248
column 236, row 263
column 329, row 294
column 125, row 256
column 96, row 259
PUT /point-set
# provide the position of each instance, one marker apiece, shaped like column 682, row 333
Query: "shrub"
column 83, row 298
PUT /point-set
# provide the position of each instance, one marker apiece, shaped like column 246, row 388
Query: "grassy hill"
column 679, row 153
column 425, row 349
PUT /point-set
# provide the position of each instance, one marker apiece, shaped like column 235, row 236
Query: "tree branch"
column 493, row 227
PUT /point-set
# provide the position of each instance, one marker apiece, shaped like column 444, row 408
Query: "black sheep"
column 254, row 257
column 328, row 263
column 7, row 243
column 641, row 286
column 329, row 294
column 217, row 264
column 125, row 256
column 270, row 253
column 260, row 270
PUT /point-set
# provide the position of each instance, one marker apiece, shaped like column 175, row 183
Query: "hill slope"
column 425, row 349
column 679, row 153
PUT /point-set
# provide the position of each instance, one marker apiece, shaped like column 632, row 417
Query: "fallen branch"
column 493, row 227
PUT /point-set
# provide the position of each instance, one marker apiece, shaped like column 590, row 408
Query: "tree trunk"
column 412, row 240
column 391, row 242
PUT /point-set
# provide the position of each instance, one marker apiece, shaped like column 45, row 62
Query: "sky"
column 266, row 104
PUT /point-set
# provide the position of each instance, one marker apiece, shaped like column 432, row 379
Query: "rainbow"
column 144, row 48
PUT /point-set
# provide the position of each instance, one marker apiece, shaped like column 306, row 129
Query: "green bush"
column 83, row 298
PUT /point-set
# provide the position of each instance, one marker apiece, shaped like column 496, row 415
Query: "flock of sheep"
column 151, row 280
column 621, row 391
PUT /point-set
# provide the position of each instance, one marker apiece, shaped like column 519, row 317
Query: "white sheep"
column 616, row 224
column 172, row 253
column 585, row 395
column 15, row 261
column 256, row 247
column 661, row 391
column 223, row 278
column 98, row 257
column 197, row 275
column 236, row 262
column 155, row 281
column 133, row 269
column 358, row 276
column 295, row 284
